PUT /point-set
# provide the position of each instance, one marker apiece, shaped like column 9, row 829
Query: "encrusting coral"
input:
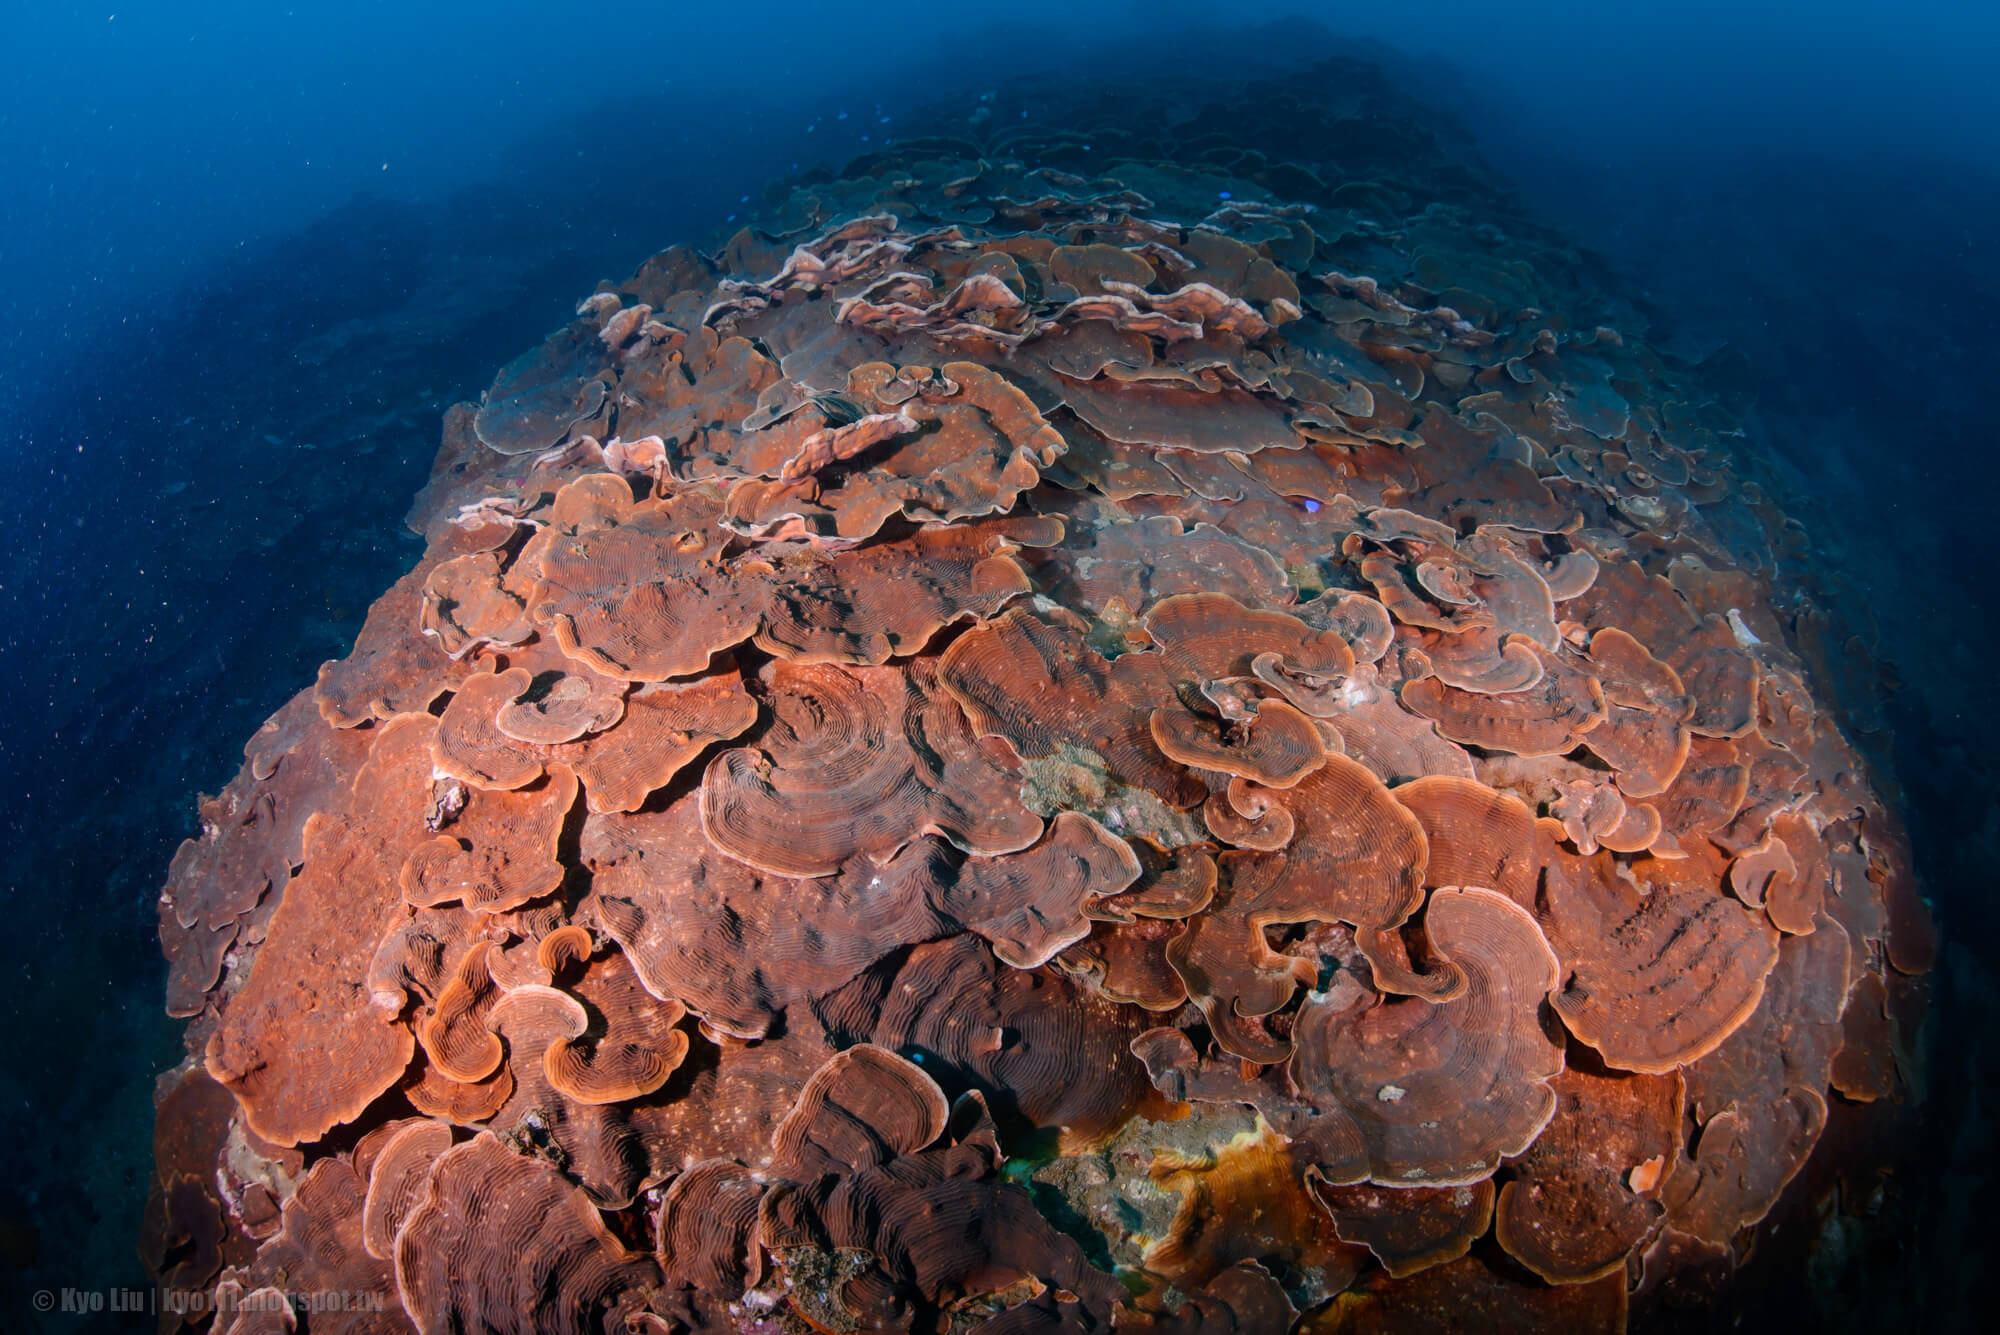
column 1056, row 738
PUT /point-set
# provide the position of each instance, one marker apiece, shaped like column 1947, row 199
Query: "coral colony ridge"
column 1082, row 731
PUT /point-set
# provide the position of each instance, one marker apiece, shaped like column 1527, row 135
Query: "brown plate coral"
column 1178, row 744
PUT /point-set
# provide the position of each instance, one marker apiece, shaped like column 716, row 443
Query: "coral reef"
column 1071, row 732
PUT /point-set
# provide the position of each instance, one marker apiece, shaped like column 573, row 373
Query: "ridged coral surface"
column 1058, row 711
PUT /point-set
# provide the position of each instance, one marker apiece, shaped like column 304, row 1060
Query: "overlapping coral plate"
column 1159, row 743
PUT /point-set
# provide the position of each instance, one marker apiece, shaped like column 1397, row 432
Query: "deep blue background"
column 249, row 252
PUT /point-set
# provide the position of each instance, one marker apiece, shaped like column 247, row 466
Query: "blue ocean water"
column 249, row 254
